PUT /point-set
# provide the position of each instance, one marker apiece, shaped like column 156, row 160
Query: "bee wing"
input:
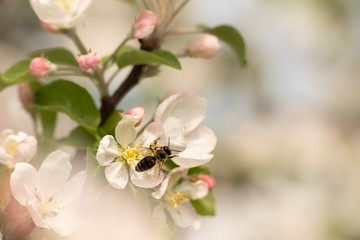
column 144, row 151
column 157, row 173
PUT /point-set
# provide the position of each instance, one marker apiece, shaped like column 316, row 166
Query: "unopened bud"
column 51, row 27
column 208, row 179
column 206, row 46
column 26, row 95
column 145, row 24
column 88, row 61
column 138, row 112
column 39, row 67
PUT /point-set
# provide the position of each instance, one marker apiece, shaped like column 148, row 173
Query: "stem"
column 176, row 12
column 71, row 33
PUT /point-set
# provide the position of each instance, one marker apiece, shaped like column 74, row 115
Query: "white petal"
column 201, row 139
column 173, row 176
column 73, row 188
column 190, row 109
column 22, row 183
column 5, row 158
column 196, row 190
column 152, row 132
column 159, row 212
column 49, row 12
column 185, row 215
column 117, row 174
column 125, row 132
column 26, row 150
column 175, row 132
column 4, row 134
column 53, row 172
column 65, row 222
column 107, row 151
column 36, row 216
column 148, row 179
column 188, row 159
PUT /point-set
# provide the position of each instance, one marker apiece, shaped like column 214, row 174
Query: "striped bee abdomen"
column 145, row 164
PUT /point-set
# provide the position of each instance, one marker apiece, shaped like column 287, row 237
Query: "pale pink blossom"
column 88, row 61
column 26, row 95
column 206, row 46
column 138, row 112
column 145, row 24
column 40, row 67
column 51, row 27
column 208, row 179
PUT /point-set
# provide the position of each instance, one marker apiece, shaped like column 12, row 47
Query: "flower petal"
column 65, row 222
column 5, row 158
column 148, row 179
column 173, row 176
column 22, row 183
column 107, row 151
column 4, row 134
column 125, row 132
column 152, row 132
column 185, row 215
column 190, row 109
column 201, row 139
column 36, row 216
column 26, row 150
column 159, row 212
column 189, row 159
column 72, row 189
column 117, row 174
column 48, row 11
column 53, row 172
column 196, row 190
column 175, row 132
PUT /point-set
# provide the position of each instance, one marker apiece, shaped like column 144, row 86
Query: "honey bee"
column 156, row 158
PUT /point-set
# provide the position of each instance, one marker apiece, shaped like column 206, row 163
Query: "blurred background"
column 287, row 161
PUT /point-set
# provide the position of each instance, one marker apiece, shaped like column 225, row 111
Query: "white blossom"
column 51, row 201
column 175, row 198
column 64, row 13
column 16, row 147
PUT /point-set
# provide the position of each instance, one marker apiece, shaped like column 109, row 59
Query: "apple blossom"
column 176, row 198
column 40, row 67
column 49, row 199
column 206, row 46
column 64, row 13
column 186, row 111
column 16, row 147
column 88, row 61
column 208, row 179
column 145, row 24
column 51, row 27
column 121, row 155
column 138, row 112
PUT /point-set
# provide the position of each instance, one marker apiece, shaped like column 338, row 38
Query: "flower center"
column 12, row 148
column 130, row 154
column 65, row 4
column 48, row 206
column 177, row 199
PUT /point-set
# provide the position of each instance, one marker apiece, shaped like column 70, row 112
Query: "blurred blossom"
column 206, row 46
column 64, row 13
column 138, row 112
column 50, row 27
column 52, row 202
column 176, row 199
column 41, row 67
column 16, row 147
column 145, row 24
column 207, row 179
column 26, row 95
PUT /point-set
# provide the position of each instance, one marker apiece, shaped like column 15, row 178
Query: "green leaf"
column 80, row 138
column 95, row 172
column 197, row 170
column 205, row 206
column 230, row 36
column 18, row 73
column 48, row 120
column 131, row 3
column 130, row 56
column 4, row 186
column 60, row 56
column 112, row 121
column 71, row 99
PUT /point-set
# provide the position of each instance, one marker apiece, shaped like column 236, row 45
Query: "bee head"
column 167, row 150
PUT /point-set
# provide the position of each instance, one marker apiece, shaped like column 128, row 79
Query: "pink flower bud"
column 88, row 61
column 206, row 46
column 208, row 179
column 51, row 27
column 26, row 95
column 138, row 112
column 145, row 24
column 39, row 67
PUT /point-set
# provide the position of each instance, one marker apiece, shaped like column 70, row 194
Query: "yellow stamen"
column 130, row 154
column 12, row 148
column 185, row 134
column 48, row 206
column 65, row 4
column 177, row 199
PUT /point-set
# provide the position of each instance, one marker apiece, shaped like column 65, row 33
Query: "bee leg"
column 172, row 156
